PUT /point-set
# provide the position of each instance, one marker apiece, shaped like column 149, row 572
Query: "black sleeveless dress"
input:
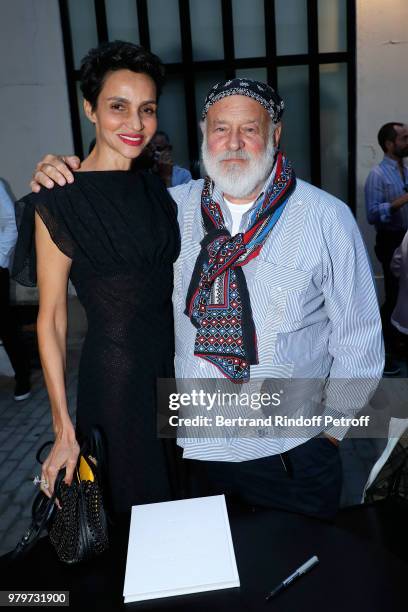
column 120, row 230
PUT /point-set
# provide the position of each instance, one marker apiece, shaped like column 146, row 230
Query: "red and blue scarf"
column 218, row 301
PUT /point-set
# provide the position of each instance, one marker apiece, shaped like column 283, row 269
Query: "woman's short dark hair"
column 117, row 55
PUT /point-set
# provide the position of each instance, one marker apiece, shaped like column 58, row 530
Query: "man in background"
column 9, row 332
column 386, row 194
column 157, row 157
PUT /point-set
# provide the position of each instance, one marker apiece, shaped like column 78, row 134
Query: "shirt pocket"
column 279, row 294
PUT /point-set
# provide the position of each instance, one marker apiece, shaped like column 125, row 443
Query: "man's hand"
column 54, row 169
column 331, row 439
column 399, row 202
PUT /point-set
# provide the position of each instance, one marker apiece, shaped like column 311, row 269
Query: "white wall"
column 34, row 109
column 382, row 88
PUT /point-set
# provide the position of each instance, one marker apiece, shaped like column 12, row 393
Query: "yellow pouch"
column 84, row 471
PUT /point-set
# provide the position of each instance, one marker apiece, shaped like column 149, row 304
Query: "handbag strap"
column 40, row 450
column 42, row 511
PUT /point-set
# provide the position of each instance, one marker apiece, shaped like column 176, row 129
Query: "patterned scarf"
column 218, row 302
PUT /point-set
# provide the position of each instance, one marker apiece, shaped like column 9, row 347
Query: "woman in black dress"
column 114, row 233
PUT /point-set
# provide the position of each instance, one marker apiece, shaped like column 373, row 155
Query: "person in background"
column 9, row 332
column 399, row 267
column 386, row 195
column 159, row 159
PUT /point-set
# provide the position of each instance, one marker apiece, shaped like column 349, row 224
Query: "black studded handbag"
column 79, row 529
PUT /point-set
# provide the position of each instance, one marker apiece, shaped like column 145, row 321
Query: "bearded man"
column 386, row 194
column 272, row 281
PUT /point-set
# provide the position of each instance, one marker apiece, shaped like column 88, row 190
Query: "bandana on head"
column 218, row 302
column 261, row 92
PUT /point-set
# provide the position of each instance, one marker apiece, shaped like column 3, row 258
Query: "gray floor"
column 26, row 425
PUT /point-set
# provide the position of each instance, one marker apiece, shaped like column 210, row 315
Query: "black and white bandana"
column 261, row 92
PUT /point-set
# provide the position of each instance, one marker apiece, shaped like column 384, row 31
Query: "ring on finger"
column 44, row 483
column 41, row 481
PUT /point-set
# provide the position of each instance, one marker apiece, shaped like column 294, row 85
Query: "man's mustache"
column 240, row 154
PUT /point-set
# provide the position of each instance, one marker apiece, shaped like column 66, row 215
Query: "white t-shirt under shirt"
column 237, row 211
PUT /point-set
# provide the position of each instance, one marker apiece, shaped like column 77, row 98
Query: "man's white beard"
column 231, row 178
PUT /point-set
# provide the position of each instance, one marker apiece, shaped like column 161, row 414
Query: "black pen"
column 301, row 570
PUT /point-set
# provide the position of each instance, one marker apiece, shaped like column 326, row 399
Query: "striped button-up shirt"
column 313, row 303
column 385, row 184
column 8, row 228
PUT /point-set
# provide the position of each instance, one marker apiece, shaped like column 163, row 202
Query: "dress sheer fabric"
column 120, row 230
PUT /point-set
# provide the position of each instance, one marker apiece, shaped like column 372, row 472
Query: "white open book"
column 179, row 547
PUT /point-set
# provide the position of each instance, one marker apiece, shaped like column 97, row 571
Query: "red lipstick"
column 133, row 140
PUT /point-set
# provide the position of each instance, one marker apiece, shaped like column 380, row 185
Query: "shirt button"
column 279, row 288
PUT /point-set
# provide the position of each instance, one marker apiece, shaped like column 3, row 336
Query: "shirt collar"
column 392, row 162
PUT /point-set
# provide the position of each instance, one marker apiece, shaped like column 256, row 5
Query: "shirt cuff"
column 334, row 430
column 337, row 432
